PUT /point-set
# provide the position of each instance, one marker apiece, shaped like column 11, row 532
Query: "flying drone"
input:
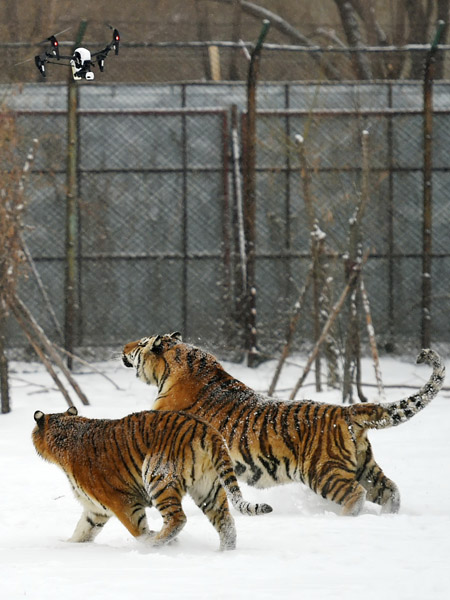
column 81, row 60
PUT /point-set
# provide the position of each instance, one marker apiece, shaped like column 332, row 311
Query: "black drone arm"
column 41, row 60
column 102, row 54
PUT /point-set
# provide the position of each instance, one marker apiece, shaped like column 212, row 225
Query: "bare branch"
column 353, row 35
column 284, row 27
column 443, row 8
column 331, row 34
column 375, row 36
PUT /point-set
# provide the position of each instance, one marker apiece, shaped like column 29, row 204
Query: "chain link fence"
column 158, row 215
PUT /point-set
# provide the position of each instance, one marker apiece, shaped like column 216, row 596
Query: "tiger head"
column 48, row 434
column 145, row 356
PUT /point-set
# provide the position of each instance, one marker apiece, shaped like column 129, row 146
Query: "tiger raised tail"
column 271, row 442
column 152, row 458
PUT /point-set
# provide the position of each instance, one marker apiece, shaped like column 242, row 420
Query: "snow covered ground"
column 304, row 549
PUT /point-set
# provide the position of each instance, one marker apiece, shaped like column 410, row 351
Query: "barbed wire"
column 222, row 60
column 240, row 44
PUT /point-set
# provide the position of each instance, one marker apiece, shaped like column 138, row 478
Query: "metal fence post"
column 71, row 267
column 390, row 344
column 250, row 198
column 427, row 187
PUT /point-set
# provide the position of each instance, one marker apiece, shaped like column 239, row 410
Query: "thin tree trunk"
column 417, row 35
column 315, row 248
column 4, row 381
column 42, row 290
column 291, row 330
column 352, row 359
column 375, row 36
column 235, row 37
column 443, row 8
column 43, row 357
column 372, row 340
column 334, row 313
column 23, row 315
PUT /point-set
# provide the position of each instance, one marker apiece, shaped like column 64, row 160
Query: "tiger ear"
column 72, row 410
column 156, row 344
column 38, row 415
column 176, row 335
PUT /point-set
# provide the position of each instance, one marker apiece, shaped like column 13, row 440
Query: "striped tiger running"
column 271, row 442
column 152, row 458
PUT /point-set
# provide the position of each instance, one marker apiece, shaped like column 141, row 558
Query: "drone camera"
column 82, row 57
column 81, row 64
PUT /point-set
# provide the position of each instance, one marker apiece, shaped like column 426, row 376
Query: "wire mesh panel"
column 392, row 226
column 158, row 214
column 152, row 197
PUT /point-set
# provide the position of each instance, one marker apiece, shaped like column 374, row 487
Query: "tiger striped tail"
column 380, row 416
column 227, row 476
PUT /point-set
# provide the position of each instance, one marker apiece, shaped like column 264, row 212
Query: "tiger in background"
column 152, row 458
column 272, row 442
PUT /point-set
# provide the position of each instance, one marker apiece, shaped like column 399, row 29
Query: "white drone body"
column 81, row 65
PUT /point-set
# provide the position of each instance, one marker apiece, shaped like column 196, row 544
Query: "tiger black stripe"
column 124, row 461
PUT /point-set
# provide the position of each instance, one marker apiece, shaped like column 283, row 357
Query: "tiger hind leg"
column 353, row 500
column 211, row 498
column 90, row 524
column 131, row 513
column 343, row 489
column 165, row 494
column 380, row 489
column 167, row 500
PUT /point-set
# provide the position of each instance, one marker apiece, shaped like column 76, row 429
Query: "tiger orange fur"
column 119, row 467
column 271, row 442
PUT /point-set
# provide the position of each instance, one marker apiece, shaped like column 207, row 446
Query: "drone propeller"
column 54, row 35
column 22, row 62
